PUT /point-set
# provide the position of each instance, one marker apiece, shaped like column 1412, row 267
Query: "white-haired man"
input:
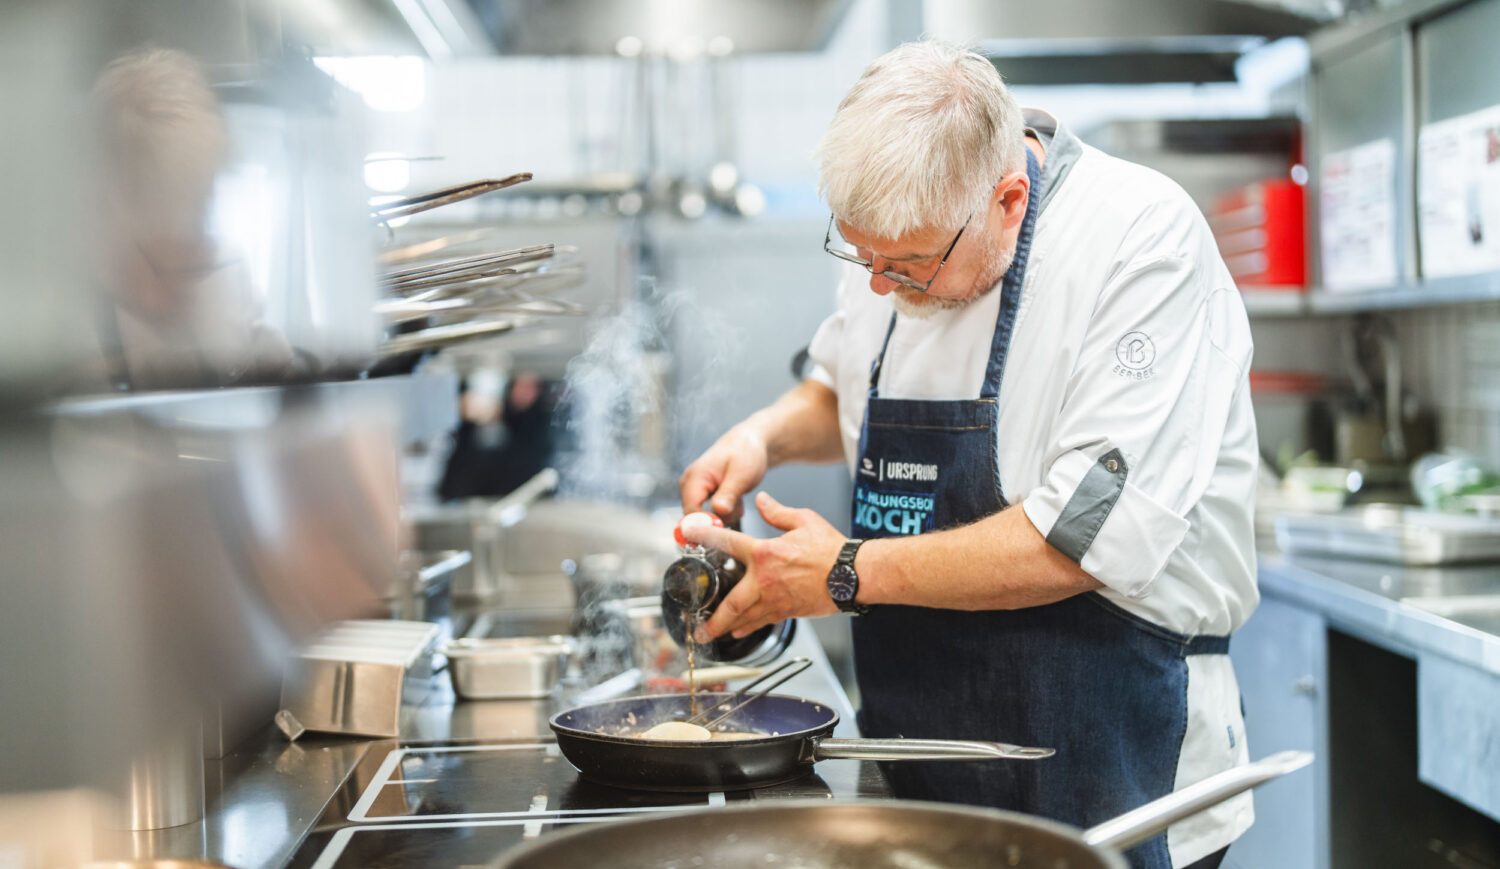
column 1043, row 400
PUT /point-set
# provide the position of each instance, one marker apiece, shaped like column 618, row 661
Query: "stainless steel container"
column 1393, row 534
column 513, row 668
column 355, row 679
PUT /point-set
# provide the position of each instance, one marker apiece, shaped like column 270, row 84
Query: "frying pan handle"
column 1138, row 825
column 922, row 749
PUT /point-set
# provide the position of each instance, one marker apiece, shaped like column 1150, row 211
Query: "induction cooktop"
column 463, row 805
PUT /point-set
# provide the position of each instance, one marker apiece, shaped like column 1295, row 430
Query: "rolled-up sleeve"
column 1142, row 420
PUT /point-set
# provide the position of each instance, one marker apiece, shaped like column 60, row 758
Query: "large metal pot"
column 870, row 835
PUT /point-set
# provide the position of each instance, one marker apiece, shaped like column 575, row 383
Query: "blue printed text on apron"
column 879, row 513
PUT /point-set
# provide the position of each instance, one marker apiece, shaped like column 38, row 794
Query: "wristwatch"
column 843, row 582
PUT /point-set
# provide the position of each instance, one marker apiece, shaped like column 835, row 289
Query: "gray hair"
column 920, row 141
column 163, row 133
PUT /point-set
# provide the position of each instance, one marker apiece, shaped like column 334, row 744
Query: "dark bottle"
column 692, row 588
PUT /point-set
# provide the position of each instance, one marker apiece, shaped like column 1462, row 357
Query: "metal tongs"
column 409, row 205
column 459, row 271
column 800, row 664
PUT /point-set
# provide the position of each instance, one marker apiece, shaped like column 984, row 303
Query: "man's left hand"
column 785, row 576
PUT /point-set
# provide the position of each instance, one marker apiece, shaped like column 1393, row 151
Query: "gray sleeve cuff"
column 1081, row 518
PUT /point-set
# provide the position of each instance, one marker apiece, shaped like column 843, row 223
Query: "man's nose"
column 881, row 285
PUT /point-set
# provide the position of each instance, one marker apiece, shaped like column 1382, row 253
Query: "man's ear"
column 1012, row 194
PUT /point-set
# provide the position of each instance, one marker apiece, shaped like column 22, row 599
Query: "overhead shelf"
column 1469, row 289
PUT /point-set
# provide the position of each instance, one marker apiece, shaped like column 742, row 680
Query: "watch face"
column 843, row 583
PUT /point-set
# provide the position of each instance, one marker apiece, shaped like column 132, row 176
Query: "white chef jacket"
column 1130, row 335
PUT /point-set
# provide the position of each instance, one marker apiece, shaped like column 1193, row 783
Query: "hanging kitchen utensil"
column 480, row 291
column 509, row 262
column 822, row 833
column 409, row 205
column 419, row 250
column 405, row 310
column 443, row 336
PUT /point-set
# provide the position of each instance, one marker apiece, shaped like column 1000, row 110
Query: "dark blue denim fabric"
column 1104, row 687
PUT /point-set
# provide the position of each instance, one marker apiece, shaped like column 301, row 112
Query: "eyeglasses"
column 899, row 278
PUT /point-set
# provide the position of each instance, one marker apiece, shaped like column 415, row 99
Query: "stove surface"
column 462, row 805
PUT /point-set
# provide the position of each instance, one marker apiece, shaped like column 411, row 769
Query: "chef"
column 1037, row 374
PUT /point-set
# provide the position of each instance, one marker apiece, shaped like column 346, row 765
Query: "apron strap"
column 880, row 357
column 1207, row 644
column 1010, row 285
column 1010, row 297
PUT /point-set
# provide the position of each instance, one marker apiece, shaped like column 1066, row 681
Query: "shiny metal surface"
column 419, row 569
column 355, row 678
column 174, row 547
column 1138, row 825
column 822, row 835
column 1384, row 532
column 1481, row 612
column 551, row 27
column 520, row 546
column 924, row 749
column 163, row 782
column 266, row 794
column 516, row 668
column 889, row 834
column 1366, row 599
column 418, row 203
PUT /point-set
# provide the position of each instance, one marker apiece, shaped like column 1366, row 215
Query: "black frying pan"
column 598, row 741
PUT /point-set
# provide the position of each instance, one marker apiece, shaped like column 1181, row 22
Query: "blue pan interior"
column 775, row 715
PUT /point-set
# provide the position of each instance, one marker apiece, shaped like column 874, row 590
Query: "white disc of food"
column 678, row 731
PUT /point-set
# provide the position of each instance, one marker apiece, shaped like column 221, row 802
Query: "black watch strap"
column 847, row 552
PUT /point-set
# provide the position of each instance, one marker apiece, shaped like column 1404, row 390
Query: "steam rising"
column 628, row 402
column 648, row 387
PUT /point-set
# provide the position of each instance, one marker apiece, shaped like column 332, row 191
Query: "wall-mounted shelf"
column 1266, row 302
column 1469, row 289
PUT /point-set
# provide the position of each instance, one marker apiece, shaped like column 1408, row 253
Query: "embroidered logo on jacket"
column 1135, row 354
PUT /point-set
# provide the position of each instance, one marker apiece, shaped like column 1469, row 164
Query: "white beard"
column 919, row 306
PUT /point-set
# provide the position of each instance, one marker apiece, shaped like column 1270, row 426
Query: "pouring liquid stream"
column 690, row 625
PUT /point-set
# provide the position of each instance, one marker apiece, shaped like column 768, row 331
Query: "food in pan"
column 682, row 731
column 678, row 731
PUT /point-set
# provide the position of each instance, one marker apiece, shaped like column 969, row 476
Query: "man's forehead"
column 917, row 244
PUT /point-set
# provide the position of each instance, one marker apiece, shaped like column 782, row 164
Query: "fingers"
column 778, row 515
column 752, row 620
column 736, row 543
column 730, row 611
column 696, row 485
column 737, row 481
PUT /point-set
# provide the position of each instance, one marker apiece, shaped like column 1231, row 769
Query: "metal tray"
column 1392, row 534
column 514, row 668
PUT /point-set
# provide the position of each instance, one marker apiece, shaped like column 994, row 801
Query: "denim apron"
column 1104, row 687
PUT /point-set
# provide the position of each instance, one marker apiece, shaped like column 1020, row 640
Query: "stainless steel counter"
column 1397, row 607
column 267, row 795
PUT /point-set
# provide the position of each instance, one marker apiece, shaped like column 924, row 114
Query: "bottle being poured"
column 690, row 577
column 692, row 588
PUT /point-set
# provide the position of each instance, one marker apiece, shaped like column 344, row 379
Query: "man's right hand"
column 734, row 465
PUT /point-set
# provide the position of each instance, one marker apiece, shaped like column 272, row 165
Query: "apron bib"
column 1104, row 687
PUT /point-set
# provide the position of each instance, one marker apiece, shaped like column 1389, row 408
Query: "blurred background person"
column 505, row 437
column 174, row 312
